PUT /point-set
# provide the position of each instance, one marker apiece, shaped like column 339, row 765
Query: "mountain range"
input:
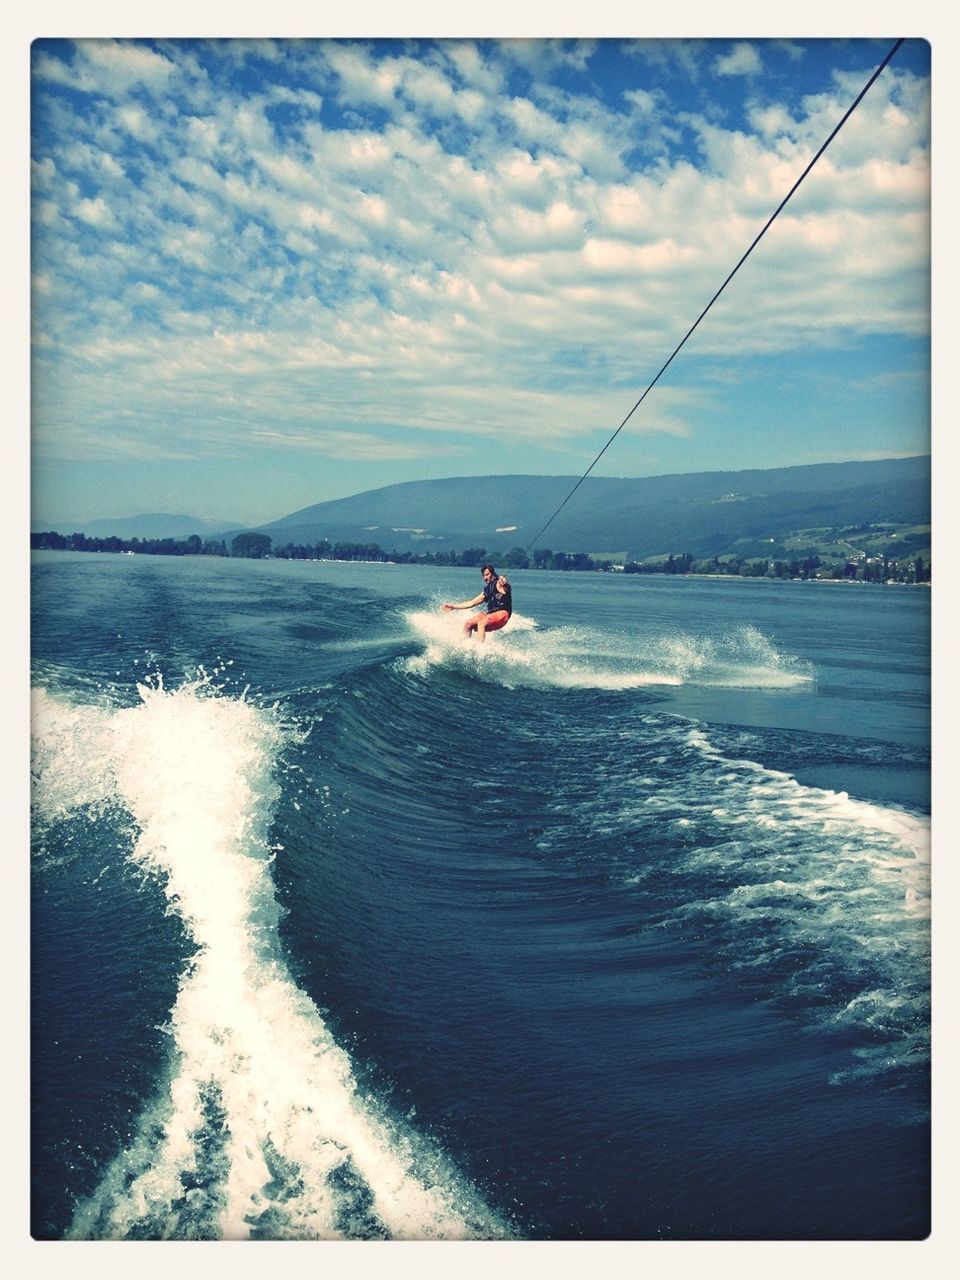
column 152, row 525
column 704, row 513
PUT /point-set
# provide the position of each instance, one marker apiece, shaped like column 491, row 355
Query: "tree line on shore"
column 258, row 546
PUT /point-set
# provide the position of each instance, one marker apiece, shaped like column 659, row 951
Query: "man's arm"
column 466, row 604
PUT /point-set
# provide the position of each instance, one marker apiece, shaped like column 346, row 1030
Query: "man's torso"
column 496, row 600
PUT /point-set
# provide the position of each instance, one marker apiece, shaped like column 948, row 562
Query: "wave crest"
column 259, row 1128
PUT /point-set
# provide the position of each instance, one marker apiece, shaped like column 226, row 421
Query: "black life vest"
column 497, row 600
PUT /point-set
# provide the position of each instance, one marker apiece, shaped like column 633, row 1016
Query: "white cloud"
column 109, row 67
column 126, row 64
column 96, row 213
column 742, row 60
column 137, row 122
column 794, row 51
column 429, row 88
column 473, row 69
column 613, row 257
column 543, row 56
column 361, row 80
column 688, row 55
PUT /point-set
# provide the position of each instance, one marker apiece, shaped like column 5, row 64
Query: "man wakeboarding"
column 497, row 595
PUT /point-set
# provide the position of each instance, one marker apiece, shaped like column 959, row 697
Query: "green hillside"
column 844, row 507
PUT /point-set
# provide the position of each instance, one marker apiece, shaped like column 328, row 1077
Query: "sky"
column 267, row 273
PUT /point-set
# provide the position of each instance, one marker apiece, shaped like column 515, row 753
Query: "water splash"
column 566, row 657
column 259, row 1128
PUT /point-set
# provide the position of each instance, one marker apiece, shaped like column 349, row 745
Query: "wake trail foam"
column 815, row 900
column 584, row 657
column 522, row 654
column 259, row 1129
column 835, row 887
column 911, row 831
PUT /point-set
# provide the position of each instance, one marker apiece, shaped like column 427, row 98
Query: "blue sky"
column 269, row 273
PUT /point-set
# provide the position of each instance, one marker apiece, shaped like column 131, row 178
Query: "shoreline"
column 615, row 573
column 735, row 577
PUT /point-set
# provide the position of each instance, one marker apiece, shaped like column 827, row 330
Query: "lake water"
column 616, row 928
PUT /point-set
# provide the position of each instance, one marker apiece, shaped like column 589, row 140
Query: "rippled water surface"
column 616, row 927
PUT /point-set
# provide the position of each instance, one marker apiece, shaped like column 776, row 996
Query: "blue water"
column 614, row 929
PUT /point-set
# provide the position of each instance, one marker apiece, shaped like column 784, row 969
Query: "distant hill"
column 705, row 513
column 156, row 525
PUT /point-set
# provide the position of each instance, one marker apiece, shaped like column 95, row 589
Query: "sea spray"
column 259, row 1128
column 582, row 657
column 522, row 655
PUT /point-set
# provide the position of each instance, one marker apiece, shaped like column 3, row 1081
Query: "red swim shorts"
column 494, row 621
